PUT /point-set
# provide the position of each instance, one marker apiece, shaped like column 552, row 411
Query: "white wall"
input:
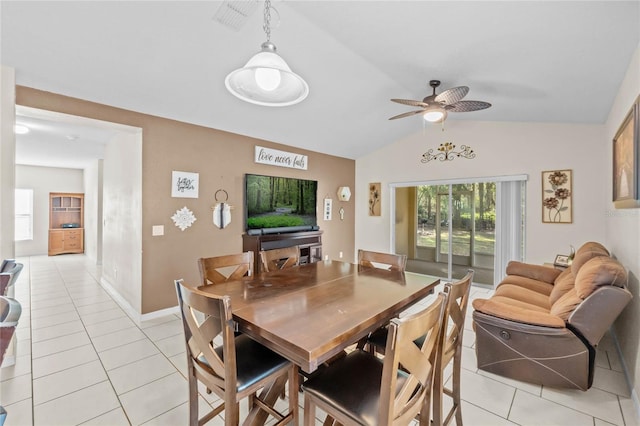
column 44, row 180
column 93, row 211
column 501, row 148
column 122, row 218
column 7, row 159
column 623, row 230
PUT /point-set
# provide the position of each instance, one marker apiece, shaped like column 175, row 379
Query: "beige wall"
column 221, row 159
column 44, row 180
column 623, row 230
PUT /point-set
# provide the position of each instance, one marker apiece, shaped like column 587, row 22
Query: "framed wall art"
column 625, row 161
column 374, row 199
column 184, row 184
column 557, row 196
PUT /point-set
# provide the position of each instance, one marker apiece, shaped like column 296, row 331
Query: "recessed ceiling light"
column 73, row 137
column 19, row 129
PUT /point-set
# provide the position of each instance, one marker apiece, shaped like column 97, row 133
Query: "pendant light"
column 266, row 79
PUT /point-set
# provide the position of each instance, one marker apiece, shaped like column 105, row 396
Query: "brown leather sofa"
column 542, row 325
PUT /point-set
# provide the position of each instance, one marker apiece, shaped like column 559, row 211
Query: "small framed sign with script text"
column 184, row 184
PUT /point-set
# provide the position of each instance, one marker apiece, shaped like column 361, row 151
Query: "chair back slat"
column 372, row 259
column 456, row 314
column 273, row 260
column 403, row 357
column 240, row 265
column 205, row 317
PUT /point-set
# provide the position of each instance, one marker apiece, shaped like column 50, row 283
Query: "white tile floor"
column 81, row 360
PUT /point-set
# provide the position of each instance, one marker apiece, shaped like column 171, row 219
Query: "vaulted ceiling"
column 551, row 61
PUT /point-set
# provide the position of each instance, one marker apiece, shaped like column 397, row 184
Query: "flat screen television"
column 280, row 204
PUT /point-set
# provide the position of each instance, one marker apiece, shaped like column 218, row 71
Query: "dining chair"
column 452, row 350
column 273, row 260
column 373, row 259
column 7, row 264
column 233, row 367
column 9, row 276
column 362, row 389
column 10, row 310
column 234, row 266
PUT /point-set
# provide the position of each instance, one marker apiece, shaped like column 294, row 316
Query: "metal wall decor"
column 557, row 196
column 222, row 209
column 446, row 152
column 183, row 218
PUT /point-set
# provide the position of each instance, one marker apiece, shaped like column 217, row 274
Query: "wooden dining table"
column 310, row 313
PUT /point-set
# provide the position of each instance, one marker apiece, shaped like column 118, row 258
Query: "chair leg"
column 455, row 388
column 436, row 396
column 193, row 399
column 309, row 411
column 294, row 386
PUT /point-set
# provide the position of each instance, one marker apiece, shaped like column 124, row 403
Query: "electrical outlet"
column 340, row 255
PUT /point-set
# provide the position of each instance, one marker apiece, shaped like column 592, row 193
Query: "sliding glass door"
column 447, row 228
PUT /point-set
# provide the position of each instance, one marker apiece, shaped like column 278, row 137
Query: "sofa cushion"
column 524, row 295
column 564, row 283
column 597, row 272
column 566, row 304
column 531, row 284
column 519, row 304
column 593, row 246
column 535, row 272
column 583, row 256
column 497, row 308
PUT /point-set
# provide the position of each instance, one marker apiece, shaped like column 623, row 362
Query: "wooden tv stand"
column 309, row 242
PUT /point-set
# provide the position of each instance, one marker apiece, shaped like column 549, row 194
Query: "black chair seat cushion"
column 254, row 361
column 352, row 386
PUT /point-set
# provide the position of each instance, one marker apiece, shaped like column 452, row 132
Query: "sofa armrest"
column 593, row 317
column 512, row 313
column 535, row 272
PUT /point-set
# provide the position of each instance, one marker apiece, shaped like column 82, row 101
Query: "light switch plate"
column 157, row 230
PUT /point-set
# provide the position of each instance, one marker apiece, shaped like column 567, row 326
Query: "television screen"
column 280, row 202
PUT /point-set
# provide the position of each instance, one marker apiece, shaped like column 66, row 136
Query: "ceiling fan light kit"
column 266, row 79
column 435, row 108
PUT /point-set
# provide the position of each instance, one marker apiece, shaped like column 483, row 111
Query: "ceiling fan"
column 435, row 107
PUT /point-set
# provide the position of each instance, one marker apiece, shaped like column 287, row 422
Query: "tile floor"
column 81, row 360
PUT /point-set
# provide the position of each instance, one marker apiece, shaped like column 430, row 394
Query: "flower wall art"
column 374, row 199
column 557, row 196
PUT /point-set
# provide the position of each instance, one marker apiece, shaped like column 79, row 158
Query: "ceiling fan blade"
column 407, row 114
column 465, row 106
column 453, row 95
column 410, row 102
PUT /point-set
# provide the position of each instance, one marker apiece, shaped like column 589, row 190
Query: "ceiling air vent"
column 234, row 14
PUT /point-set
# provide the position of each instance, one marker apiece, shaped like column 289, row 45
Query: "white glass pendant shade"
column 267, row 80
column 435, row 114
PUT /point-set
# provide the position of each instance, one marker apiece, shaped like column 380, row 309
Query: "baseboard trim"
column 121, row 301
column 160, row 313
column 131, row 312
column 625, row 371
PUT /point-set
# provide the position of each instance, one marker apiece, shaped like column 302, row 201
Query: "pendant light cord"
column 267, row 19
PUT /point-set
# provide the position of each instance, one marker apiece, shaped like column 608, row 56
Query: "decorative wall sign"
column 184, row 184
column 374, row 199
column 557, row 196
column 626, row 188
column 183, row 218
column 275, row 157
column 446, row 152
column 327, row 208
